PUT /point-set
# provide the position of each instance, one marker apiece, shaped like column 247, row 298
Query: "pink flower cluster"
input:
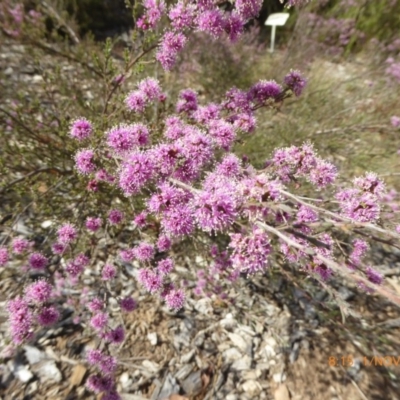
column 32, row 310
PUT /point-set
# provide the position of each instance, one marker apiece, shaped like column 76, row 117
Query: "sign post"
column 274, row 20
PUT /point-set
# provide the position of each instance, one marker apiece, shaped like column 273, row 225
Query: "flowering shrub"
column 176, row 176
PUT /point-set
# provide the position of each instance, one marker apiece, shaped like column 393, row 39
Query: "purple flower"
column 136, row 101
column 264, row 90
column 154, row 11
column 151, row 281
column 175, row 299
column 67, row 233
column 361, row 208
column 182, row 15
column 4, row 256
column 136, row 171
column 197, row 147
column 140, row 219
column 103, row 175
column 246, row 122
column 395, row 121
column 116, row 335
column 127, row 255
column 237, row 100
column 174, row 128
column 205, row 114
column 234, row 26
column 223, row 133
column 248, row 9
column 39, row 292
column 169, row 197
column 250, row 253
column 109, row 272
column 99, row 321
column 371, row 183
column 306, row 214
column 215, row 211
column 359, row 249
column 150, row 88
column 121, row 139
column 163, row 243
column 37, row 261
column 374, row 276
column 128, row 304
column 19, row 246
column 84, row 161
column 295, row 82
column 99, row 383
column 171, row 44
column 115, row 217
column 59, row 248
column 187, row 101
column 93, row 224
column 211, row 22
column 230, row 166
column 75, row 267
column 48, row 316
column 323, row 173
column 81, row 129
column 178, row 221
column 94, row 357
column 144, row 252
column 20, row 320
column 108, row 365
column 164, row 267
column 95, row 305
column 324, row 272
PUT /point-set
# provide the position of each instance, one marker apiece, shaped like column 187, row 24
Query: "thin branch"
column 53, row 13
column 33, row 173
column 332, row 264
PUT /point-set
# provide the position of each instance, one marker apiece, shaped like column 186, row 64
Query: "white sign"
column 278, row 19
column 274, row 20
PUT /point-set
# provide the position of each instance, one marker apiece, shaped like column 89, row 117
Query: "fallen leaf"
column 78, row 374
column 282, row 393
column 177, row 397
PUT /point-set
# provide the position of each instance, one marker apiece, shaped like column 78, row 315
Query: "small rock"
column 231, row 355
column 193, row 384
column 46, row 224
column 33, row 354
column 125, row 381
column 188, row 356
column 151, row 366
column 252, row 387
column 204, row 306
column 47, row 370
column 22, row 373
column 152, row 338
column 199, row 340
column 228, row 322
column 37, row 78
column 184, row 372
column 279, row 377
column 252, row 374
column 169, row 387
column 238, row 341
column 242, row 364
